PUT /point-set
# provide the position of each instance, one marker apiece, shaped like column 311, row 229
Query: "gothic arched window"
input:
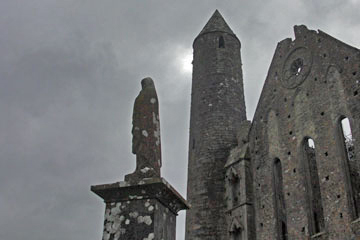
column 236, row 230
column 315, row 209
column 350, row 166
column 280, row 210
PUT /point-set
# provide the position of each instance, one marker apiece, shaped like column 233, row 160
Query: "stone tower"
column 217, row 109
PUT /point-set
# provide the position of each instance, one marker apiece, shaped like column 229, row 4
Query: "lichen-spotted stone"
column 146, row 144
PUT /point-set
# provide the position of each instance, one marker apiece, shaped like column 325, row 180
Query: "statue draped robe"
column 146, row 142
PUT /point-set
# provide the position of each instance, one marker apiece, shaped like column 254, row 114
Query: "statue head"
column 147, row 82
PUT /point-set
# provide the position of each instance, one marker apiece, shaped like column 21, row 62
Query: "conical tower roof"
column 216, row 24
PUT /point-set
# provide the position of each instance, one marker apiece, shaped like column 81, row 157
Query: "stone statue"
column 146, row 133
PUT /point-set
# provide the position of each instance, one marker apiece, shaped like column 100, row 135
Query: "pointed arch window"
column 350, row 166
column 315, row 209
column 280, row 210
column 221, row 42
column 236, row 229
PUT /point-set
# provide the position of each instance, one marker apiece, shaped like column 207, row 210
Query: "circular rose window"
column 296, row 67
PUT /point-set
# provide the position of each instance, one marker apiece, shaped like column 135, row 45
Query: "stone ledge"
column 355, row 227
column 238, row 206
column 320, row 235
column 148, row 188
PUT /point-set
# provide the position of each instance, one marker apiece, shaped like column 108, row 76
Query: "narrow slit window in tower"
column 280, row 210
column 351, row 167
column 221, row 42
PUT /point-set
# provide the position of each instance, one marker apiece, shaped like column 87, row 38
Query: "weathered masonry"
column 144, row 211
column 305, row 171
column 292, row 173
column 217, row 109
column 145, row 205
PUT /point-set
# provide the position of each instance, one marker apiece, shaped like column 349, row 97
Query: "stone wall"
column 311, row 85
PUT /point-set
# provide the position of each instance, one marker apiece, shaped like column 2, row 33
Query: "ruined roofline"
column 299, row 31
column 285, row 41
column 302, row 30
column 325, row 35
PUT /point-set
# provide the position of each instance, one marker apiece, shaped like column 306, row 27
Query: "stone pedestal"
column 143, row 211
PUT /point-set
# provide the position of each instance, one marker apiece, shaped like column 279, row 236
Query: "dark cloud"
column 70, row 71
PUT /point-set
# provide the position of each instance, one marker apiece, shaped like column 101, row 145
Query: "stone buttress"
column 238, row 185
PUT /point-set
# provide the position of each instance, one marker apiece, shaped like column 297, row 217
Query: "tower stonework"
column 217, row 108
column 293, row 173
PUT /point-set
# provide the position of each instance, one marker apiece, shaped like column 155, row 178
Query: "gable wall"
column 293, row 107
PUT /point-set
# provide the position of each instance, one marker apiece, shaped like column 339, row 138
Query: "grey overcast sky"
column 70, row 71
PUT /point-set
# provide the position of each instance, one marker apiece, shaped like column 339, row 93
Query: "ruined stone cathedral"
column 292, row 173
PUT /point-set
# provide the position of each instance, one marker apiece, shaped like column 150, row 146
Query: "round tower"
column 217, row 108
